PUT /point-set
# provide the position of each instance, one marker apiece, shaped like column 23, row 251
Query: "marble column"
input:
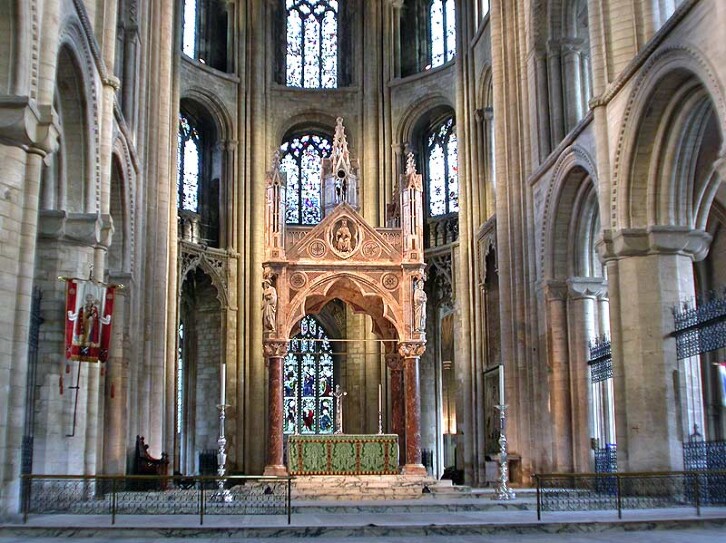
column 649, row 272
column 582, row 295
column 410, row 353
column 395, row 364
column 275, row 351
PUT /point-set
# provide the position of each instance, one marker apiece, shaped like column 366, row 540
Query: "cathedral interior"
column 567, row 258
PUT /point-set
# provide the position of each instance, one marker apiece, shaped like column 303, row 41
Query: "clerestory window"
column 312, row 43
column 442, row 31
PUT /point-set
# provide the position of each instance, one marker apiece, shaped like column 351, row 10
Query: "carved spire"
column 340, row 153
column 273, row 175
column 410, row 164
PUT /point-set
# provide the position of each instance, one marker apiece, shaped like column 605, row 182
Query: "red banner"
column 89, row 308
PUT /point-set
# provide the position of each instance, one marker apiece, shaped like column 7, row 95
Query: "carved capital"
column 410, row 349
column 586, row 287
column 554, row 291
column 274, row 348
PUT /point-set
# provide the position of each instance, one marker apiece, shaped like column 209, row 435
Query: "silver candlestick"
column 503, row 492
column 221, row 494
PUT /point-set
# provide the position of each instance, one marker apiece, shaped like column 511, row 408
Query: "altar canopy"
column 343, row 454
column 378, row 271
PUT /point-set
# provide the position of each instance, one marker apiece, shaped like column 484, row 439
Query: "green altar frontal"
column 342, row 454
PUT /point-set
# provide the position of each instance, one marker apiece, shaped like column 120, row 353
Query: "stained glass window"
column 189, row 165
column 442, row 166
column 312, row 43
column 300, row 159
column 442, row 28
column 189, row 28
column 308, row 381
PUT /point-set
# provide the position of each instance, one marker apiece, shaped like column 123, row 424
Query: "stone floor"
column 491, row 525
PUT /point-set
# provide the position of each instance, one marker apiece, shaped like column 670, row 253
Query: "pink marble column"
column 275, row 351
column 410, row 353
column 394, row 363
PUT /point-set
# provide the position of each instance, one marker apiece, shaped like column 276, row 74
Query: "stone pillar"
column 410, row 353
column 275, row 351
column 398, row 412
column 649, row 271
column 583, row 293
column 559, row 376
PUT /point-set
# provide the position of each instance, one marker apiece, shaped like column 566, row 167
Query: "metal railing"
column 155, row 495
column 619, row 491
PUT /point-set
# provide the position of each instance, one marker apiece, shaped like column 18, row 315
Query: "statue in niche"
column 338, row 395
column 343, row 238
column 269, row 306
column 419, row 306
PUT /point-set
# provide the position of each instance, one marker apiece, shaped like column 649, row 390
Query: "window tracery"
column 189, row 165
column 300, row 158
column 312, row 43
column 442, row 169
column 308, row 381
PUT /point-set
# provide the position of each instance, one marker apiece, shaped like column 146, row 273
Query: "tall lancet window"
column 189, row 28
column 442, row 28
column 308, row 381
column 442, row 166
column 189, row 165
column 300, row 159
column 312, row 43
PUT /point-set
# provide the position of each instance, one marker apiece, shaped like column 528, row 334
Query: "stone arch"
column 214, row 108
column 75, row 54
column 316, row 120
column 212, row 267
column 670, row 89
column 574, row 167
column 414, row 114
column 127, row 171
column 485, row 94
column 359, row 291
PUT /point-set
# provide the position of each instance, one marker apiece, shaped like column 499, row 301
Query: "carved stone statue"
column 338, row 395
column 269, row 306
column 419, row 306
column 343, row 238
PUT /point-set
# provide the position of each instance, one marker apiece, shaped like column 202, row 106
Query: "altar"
column 343, row 454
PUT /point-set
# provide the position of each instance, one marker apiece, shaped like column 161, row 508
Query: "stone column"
column 410, row 353
column 582, row 293
column 649, row 271
column 275, row 350
column 559, row 376
column 394, row 363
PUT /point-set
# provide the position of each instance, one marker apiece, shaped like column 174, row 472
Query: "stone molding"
column 665, row 240
column 89, row 229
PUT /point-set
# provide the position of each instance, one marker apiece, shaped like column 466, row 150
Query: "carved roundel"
column 390, row 281
column 298, row 280
column 317, row 249
column 371, row 249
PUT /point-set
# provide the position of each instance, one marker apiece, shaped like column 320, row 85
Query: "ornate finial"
column 340, row 142
column 273, row 176
column 276, row 160
column 410, row 164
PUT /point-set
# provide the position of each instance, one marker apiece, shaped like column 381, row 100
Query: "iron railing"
column 619, row 491
column 163, row 495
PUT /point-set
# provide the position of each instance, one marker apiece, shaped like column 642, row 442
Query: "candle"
column 501, row 384
column 379, row 398
column 223, row 384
